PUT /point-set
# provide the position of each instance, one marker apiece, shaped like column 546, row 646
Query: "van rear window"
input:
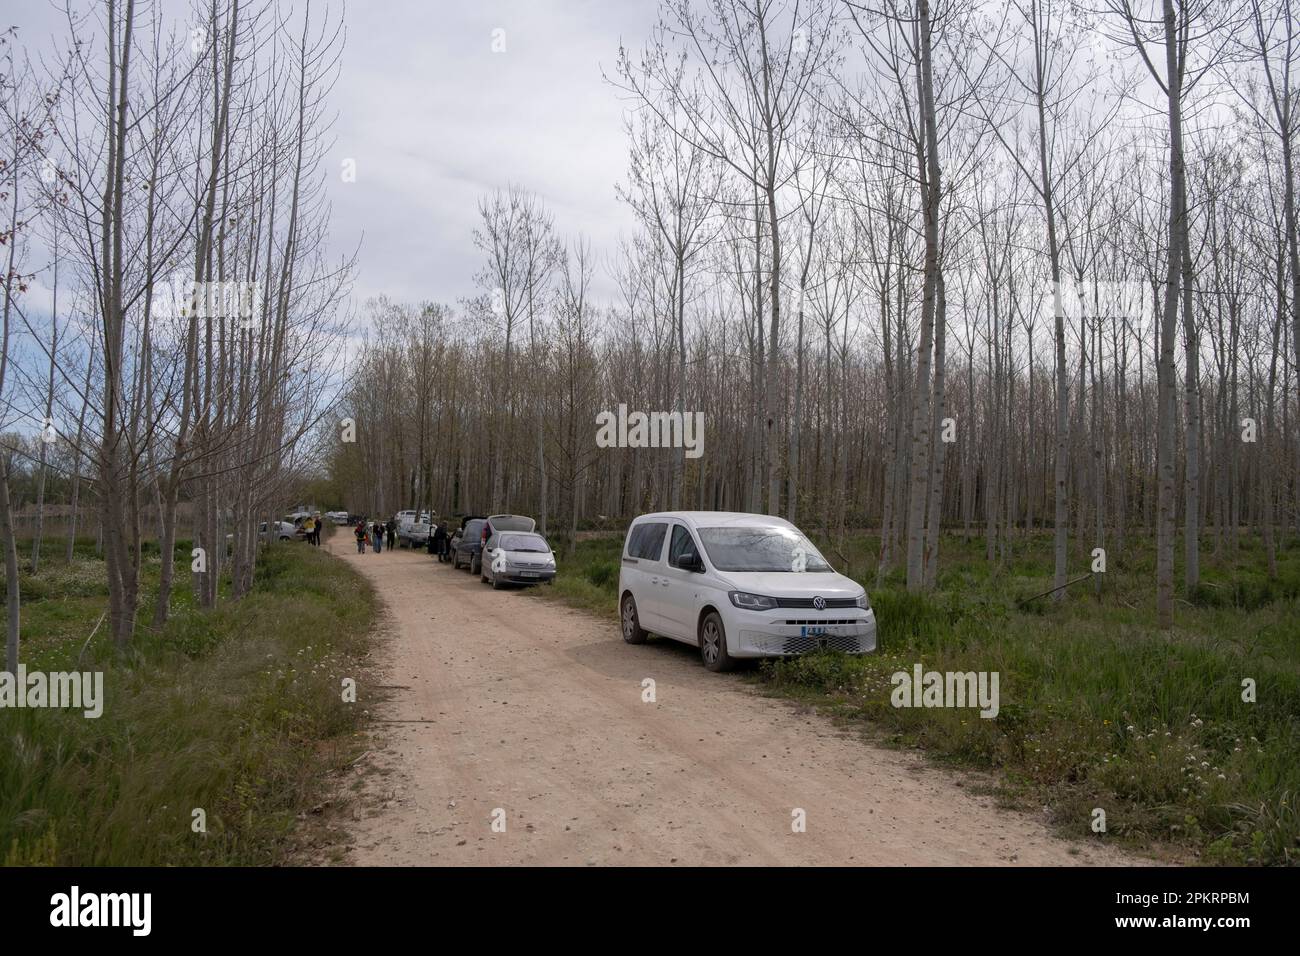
column 647, row 540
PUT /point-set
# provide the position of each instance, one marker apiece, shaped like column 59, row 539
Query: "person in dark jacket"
column 392, row 534
column 377, row 536
column 438, row 541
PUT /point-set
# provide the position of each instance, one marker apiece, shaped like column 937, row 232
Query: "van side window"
column 647, row 541
column 682, row 552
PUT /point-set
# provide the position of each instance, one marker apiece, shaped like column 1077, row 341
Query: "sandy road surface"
column 501, row 700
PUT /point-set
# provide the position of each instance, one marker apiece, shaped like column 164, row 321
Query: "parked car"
column 737, row 586
column 517, row 557
column 492, row 525
column 467, row 543
column 282, row 531
column 338, row 517
column 413, row 532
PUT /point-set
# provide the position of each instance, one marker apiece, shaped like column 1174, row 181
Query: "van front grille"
column 808, row 602
column 818, row 622
column 803, row 645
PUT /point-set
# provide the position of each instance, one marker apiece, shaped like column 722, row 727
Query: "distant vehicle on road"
column 515, row 557
column 338, row 517
column 413, row 532
column 737, row 585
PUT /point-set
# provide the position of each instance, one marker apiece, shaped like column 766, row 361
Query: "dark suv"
column 467, row 544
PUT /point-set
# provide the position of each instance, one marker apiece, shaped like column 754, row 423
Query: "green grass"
column 237, row 711
column 589, row 579
column 1099, row 708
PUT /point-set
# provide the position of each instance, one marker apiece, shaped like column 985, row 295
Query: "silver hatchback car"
column 517, row 557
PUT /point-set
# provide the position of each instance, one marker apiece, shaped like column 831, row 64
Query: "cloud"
column 434, row 118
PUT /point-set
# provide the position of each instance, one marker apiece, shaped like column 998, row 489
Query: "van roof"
column 715, row 519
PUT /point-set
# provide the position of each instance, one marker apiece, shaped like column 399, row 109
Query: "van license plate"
column 815, row 631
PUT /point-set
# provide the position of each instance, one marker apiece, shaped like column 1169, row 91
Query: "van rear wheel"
column 713, row 644
column 632, row 631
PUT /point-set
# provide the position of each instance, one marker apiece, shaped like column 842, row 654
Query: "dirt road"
column 509, row 707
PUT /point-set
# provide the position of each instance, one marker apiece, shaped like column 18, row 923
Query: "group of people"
column 374, row 535
column 312, row 526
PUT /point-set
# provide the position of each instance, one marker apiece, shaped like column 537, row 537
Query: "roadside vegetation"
column 1099, row 708
column 235, row 710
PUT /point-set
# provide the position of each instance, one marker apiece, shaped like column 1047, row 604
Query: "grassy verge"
column 237, row 712
column 1099, row 709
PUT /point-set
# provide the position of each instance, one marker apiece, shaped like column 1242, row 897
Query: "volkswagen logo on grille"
column 819, row 603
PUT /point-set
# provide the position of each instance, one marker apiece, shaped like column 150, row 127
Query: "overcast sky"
column 434, row 118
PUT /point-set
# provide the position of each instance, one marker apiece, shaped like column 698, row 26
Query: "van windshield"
column 769, row 548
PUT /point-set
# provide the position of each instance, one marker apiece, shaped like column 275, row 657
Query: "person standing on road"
column 309, row 529
column 439, row 541
column 377, row 533
column 392, row 534
column 360, row 532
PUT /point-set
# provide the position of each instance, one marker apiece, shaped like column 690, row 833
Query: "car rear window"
column 647, row 540
column 512, row 523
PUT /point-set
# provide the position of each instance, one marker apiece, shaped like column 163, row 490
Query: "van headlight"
column 752, row 602
column 864, row 602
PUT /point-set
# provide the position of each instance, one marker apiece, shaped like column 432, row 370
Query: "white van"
column 737, row 585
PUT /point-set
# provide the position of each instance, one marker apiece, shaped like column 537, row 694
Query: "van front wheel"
column 713, row 643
